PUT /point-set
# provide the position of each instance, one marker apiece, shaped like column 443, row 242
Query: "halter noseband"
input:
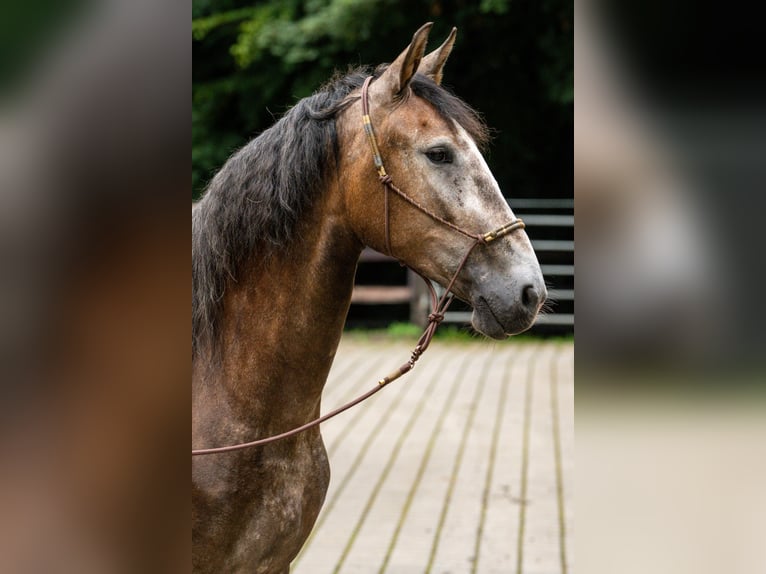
column 439, row 305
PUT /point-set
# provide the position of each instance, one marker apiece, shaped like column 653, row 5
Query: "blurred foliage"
column 513, row 62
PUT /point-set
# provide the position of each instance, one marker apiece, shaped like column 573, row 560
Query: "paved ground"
column 463, row 466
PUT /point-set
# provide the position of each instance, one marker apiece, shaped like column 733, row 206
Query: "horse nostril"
column 530, row 296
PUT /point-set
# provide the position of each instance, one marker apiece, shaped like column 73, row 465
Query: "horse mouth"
column 488, row 322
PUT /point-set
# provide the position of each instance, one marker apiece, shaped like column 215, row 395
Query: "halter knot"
column 385, row 179
column 435, row 317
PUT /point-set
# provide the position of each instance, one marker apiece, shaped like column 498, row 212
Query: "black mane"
column 252, row 204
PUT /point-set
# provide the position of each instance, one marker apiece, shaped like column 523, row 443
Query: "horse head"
column 429, row 141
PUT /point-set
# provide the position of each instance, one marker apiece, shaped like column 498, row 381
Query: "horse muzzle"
column 504, row 310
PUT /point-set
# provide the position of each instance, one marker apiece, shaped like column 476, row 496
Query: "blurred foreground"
column 94, row 181
column 669, row 140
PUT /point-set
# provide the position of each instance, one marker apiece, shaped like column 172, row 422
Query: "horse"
column 276, row 239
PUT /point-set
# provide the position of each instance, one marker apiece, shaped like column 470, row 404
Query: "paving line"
column 328, row 507
column 339, row 391
column 367, row 380
column 386, row 470
column 525, row 464
column 338, row 376
column 459, row 372
column 557, row 455
column 456, row 466
column 501, row 402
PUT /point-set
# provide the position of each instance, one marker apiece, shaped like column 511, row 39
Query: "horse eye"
column 439, row 155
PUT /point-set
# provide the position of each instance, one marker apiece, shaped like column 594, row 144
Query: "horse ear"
column 398, row 75
column 434, row 62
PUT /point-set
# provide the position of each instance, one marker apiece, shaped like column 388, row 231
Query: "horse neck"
column 283, row 320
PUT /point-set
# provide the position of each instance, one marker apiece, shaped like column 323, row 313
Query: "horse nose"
column 532, row 297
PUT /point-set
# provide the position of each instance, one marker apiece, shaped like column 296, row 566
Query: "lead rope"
column 439, row 305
